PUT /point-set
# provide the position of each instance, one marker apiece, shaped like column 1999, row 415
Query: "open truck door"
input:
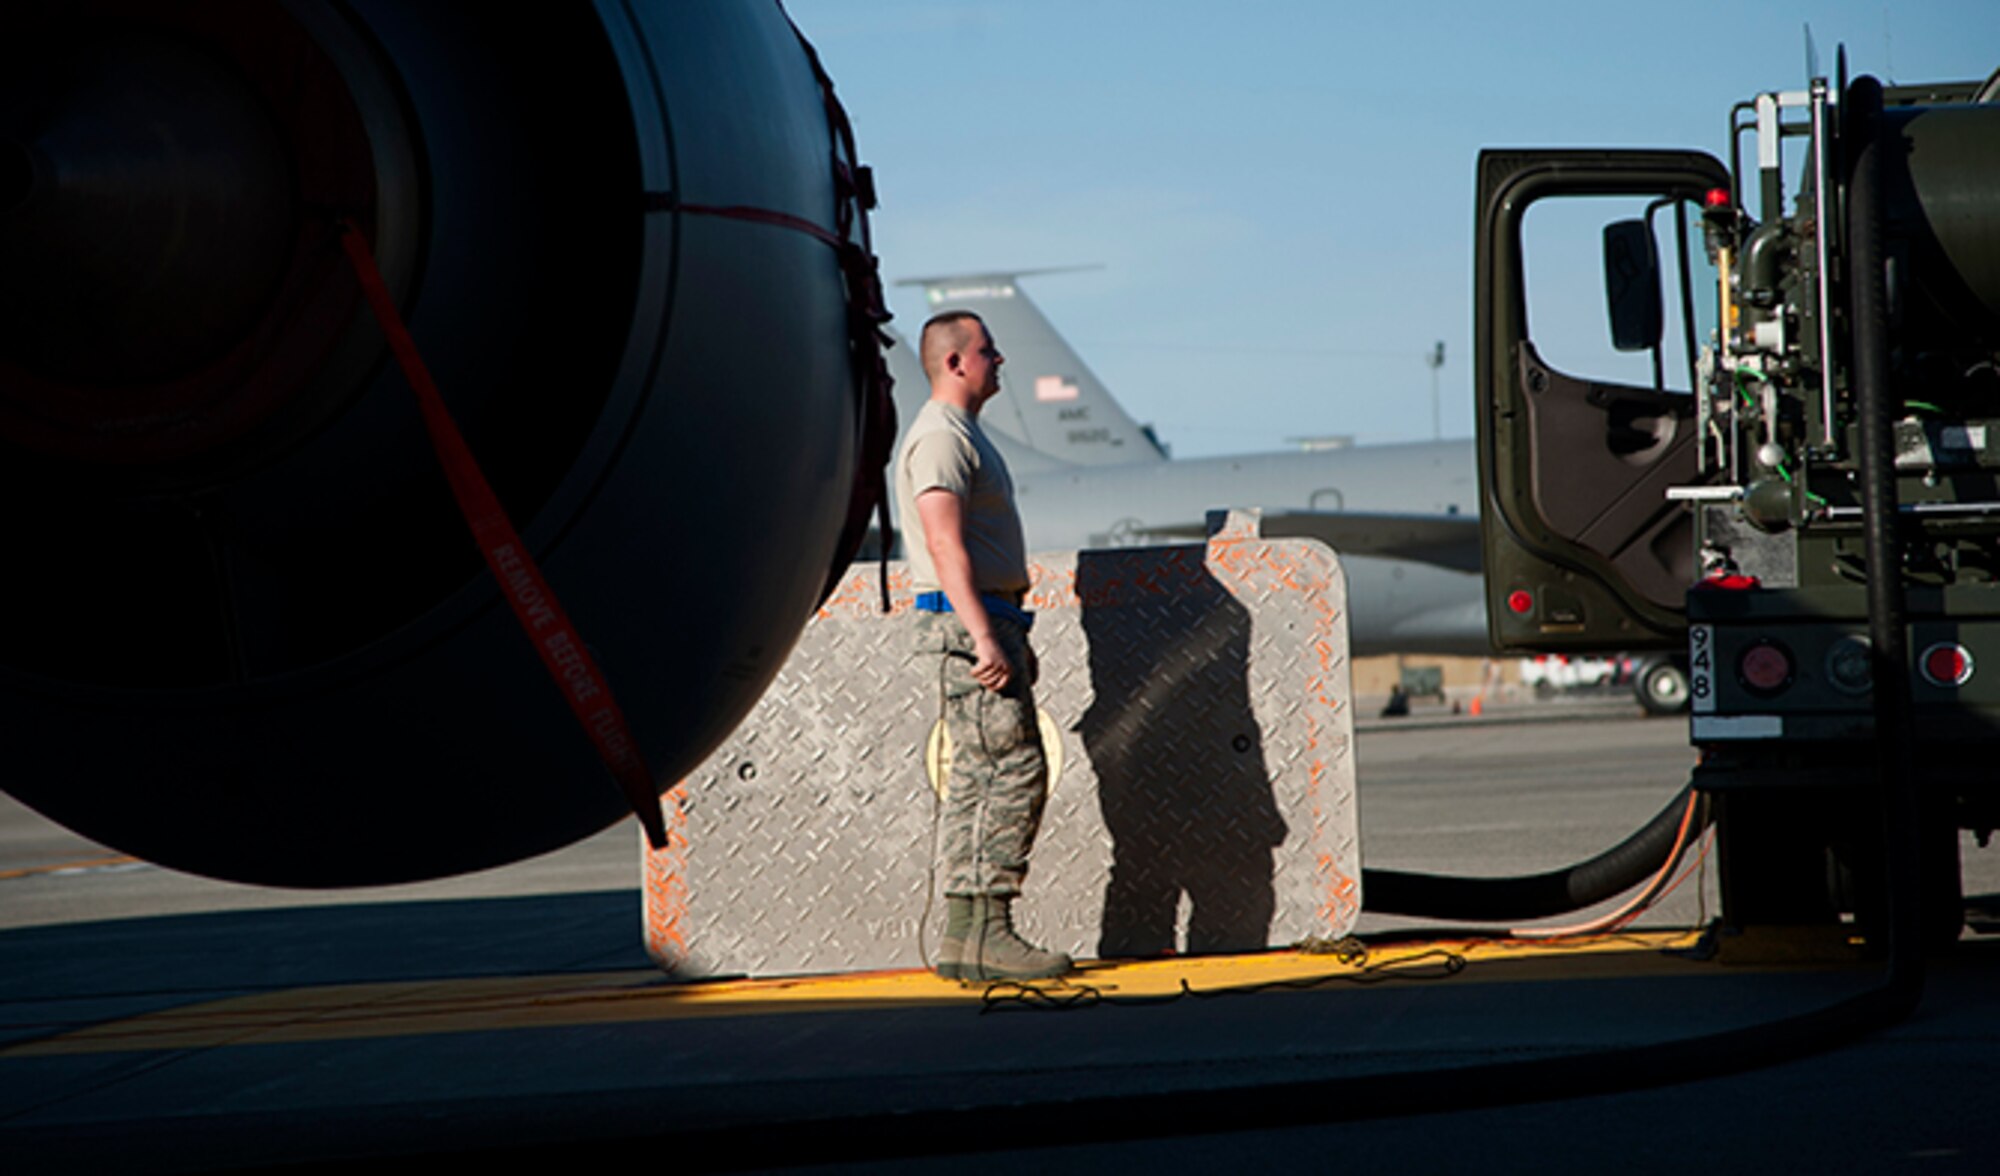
column 1581, row 432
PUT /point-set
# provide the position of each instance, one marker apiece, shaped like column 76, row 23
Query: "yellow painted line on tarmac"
column 356, row 1011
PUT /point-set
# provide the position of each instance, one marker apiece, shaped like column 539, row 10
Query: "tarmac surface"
column 151, row 1021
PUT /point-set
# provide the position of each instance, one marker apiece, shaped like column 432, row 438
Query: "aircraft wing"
column 1448, row 541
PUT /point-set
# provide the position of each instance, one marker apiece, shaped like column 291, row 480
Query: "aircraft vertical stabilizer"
column 1049, row 400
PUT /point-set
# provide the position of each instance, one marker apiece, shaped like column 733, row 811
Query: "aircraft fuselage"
column 1398, row 605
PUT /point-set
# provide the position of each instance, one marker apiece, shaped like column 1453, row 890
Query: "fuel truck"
column 1786, row 463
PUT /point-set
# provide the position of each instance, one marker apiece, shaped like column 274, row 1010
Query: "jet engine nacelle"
column 247, row 633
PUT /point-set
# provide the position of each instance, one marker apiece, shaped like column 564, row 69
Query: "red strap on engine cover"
column 542, row 618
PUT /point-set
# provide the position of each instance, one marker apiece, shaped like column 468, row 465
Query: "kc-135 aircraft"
column 1087, row 475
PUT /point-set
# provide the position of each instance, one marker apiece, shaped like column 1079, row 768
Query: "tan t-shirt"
column 945, row 449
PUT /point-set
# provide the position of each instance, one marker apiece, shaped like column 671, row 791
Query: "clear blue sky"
column 1281, row 190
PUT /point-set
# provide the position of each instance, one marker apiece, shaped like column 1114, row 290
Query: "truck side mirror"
column 1632, row 285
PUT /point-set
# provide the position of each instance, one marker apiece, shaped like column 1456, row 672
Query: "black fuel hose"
column 1536, row 896
column 1903, row 815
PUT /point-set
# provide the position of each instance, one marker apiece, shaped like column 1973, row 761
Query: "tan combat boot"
column 957, row 926
column 993, row 951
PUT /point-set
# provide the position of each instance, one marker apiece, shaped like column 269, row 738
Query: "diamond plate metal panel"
column 1205, row 802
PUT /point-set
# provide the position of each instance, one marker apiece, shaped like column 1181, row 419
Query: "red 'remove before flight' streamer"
column 535, row 606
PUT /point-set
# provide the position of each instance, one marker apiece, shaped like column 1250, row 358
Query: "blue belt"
column 999, row 606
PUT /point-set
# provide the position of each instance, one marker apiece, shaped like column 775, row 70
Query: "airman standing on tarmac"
column 969, row 564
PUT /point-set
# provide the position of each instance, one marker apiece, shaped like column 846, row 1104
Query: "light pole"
column 1435, row 360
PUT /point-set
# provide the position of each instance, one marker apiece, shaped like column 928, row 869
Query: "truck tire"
column 1661, row 686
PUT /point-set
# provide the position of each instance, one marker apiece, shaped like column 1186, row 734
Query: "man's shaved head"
column 953, row 330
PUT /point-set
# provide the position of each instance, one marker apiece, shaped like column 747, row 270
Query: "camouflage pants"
column 999, row 779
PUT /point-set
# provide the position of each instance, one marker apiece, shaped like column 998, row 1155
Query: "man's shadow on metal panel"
column 1179, row 760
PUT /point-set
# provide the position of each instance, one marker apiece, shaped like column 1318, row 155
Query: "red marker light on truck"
column 1947, row 664
column 1765, row 667
column 1715, row 197
column 1520, row 602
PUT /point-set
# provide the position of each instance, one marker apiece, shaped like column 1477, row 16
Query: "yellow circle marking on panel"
column 937, row 752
